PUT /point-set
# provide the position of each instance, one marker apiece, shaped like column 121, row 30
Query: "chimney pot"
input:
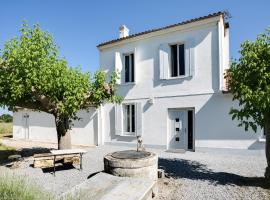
column 123, row 31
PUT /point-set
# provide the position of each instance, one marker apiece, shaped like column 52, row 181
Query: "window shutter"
column 118, row 119
column 190, row 57
column 118, row 65
column 138, row 119
column 164, row 61
column 135, row 65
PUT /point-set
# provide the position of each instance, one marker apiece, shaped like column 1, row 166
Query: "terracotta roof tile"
column 162, row 28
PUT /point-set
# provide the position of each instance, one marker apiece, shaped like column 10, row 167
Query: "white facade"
column 200, row 90
column 182, row 112
column 40, row 126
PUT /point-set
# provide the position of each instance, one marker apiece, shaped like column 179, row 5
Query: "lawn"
column 5, row 151
column 5, row 129
column 4, row 147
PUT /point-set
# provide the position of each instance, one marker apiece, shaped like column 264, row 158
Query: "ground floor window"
column 129, row 119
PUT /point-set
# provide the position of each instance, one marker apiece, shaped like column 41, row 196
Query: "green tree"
column 249, row 83
column 6, row 118
column 34, row 76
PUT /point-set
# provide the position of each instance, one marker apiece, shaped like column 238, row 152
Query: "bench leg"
column 80, row 161
column 54, row 165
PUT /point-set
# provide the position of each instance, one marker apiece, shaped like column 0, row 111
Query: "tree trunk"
column 63, row 133
column 267, row 144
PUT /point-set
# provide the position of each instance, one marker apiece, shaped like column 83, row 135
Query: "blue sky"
column 78, row 25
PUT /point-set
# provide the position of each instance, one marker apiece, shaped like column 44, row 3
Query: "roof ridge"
column 164, row 27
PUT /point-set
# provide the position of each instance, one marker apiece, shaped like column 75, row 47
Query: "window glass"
column 133, row 118
column 177, row 60
column 181, row 59
column 127, row 71
column 129, row 68
column 132, row 67
column 129, row 119
column 174, row 69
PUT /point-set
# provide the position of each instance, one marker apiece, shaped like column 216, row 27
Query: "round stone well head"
column 131, row 163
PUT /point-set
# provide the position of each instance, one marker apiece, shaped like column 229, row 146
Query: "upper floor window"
column 177, row 60
column 129, row 68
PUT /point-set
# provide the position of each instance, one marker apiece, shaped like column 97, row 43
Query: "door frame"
column 169, row 129
column 26, row 125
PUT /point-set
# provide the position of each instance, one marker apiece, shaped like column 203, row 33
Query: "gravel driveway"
column 204, row 174
column 215, row 174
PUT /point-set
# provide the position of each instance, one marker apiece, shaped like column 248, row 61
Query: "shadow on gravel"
column 257, row 146
column 24, row 152
column 180, row 168
column 57, row 168
column 28, row 152
column 93, row 174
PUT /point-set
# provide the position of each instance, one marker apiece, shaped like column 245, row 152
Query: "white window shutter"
column 139, row 119
column 118, row 65
column 164, row 61
column 190, row 57
column 135, row 65
column 118, row 119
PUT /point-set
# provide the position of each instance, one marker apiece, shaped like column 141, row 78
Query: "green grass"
column 5, row 129
column 19, row 188
column 5, row 151
column 4, row 147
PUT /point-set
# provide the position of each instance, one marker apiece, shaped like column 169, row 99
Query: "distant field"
column 5, row 128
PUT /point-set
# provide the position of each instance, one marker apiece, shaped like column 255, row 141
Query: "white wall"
column 85, row 131
column 213, row 124
column 18, row 125
column 42, row 127
column 148, row 83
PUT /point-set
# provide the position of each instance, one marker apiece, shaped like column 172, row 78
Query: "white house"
column 172, row 81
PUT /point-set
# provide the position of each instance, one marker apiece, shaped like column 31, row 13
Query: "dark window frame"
column 129, row 119
column 129, row 67
column 178, row 66
column 191, row 136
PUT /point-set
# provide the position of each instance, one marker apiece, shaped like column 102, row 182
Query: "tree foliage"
column 33, row 75
column 6, row 118
column 249, row 82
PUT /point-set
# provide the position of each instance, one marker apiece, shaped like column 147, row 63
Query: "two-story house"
column 172, row 81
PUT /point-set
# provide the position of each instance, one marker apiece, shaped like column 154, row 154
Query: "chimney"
column 123, row 31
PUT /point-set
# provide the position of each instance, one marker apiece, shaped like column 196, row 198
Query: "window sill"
column 261, row 139
column 128, row 135
column 131, row 83
column 177, row 77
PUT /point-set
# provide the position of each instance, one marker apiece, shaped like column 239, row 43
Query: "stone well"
column 131, row 163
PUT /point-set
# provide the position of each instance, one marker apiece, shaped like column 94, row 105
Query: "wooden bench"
column 52, row 156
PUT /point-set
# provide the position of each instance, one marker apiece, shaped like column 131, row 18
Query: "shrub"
column 6, row 118
column 18, row 188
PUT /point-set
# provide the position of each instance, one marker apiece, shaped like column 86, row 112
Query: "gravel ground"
column 204, row 174
column 215, row 174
